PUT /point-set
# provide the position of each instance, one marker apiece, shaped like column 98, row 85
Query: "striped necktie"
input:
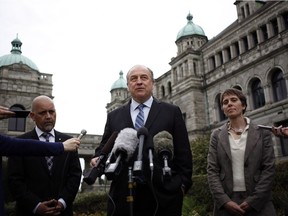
column 49, row 159
column 139, row 122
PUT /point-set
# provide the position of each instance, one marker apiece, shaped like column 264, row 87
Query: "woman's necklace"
column 237, row 131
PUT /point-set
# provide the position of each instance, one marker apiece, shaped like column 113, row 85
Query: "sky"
column 85, row 44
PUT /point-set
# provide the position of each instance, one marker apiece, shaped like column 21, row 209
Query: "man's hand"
column 245, row 206
column 234, row 209
column 47, row 207
column 93, row 161
column 71, row 144
column 5, row 113
column 280, row 131
column 51, row 208
column 58, row 208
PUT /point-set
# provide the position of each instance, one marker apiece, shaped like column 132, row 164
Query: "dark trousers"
column 145, row 204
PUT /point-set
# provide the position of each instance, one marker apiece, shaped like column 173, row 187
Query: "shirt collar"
column 147, row 103
column 40, row 132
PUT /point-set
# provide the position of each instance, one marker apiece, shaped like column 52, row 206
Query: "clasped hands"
column 238, row 210
column 50, row 207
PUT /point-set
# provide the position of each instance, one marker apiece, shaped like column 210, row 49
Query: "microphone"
column 163, row 144
column 82, row 133
column 142, row 133
column 123, row 149
column 98, row 169
column 150, row 147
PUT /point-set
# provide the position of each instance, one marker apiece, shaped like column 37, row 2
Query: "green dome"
column 190, row 28
column 15, row 57
column 120, row 83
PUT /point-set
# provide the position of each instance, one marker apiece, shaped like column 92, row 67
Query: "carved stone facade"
column 251, row 54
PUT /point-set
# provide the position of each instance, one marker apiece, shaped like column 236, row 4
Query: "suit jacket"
column 21, row 147
column 259, row 167
column 31, row 183
column 162, row 116
column 10, row 146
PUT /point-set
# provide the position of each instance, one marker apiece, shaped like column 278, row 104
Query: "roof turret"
column 120, row 83
column 190, row 28
column 16, row 56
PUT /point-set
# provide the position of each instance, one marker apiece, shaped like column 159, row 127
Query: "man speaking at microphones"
column 143, row 110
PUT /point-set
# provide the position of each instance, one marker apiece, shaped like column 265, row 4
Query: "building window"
column 228, row 54
column 285, row 18
column 243, row 12
column 245, row 44
column 264, row 32
column 258, row 94
column 163, row 91
column 211, row 63
column 247, row 9
column 17, row 124
column 221, row 114
column 275, row 27
column 195, row 68
column 254, row 38
column 237, row 87
column 278, row 86
column 169, row 87
column 237, row 49
column 220, row 57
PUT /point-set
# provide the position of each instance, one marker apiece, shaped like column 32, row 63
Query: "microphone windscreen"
column 126, row 142
column 109, row 144
column 83, row 132
column 142, row 131
column 163, row 142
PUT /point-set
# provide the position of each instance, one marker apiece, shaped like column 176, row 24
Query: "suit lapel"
column 224, row 140
column 127, row 116
column 252, row 139
column 154, row 110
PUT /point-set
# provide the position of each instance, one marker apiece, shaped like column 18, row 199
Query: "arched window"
column 221, row 114
column 163, row 91
column 257, row 94
column 17, row 123
column 237, row 87
column 169, row 88
column 278, row 86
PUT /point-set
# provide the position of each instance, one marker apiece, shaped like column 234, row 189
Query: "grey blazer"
column 259, row 167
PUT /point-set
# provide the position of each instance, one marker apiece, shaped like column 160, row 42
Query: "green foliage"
column 197, row 202
column 199, row 199
column 280, row 188
column 200, row 147
column 90, row 203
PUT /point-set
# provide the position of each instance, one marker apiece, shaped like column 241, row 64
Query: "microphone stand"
column 130, row 198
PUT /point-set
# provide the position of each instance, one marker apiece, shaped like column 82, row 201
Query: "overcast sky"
column 85, row 44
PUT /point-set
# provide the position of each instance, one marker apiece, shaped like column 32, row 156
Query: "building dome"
column 15, row 57
column 120, row 83
column 190, row 28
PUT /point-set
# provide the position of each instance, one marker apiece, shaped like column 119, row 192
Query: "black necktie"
column 49, row 159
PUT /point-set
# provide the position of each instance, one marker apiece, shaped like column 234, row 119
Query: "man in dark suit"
column 156, row 197
column 22, row 147
column 38, row 187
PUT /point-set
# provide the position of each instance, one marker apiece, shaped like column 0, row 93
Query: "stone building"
column 250, row 54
